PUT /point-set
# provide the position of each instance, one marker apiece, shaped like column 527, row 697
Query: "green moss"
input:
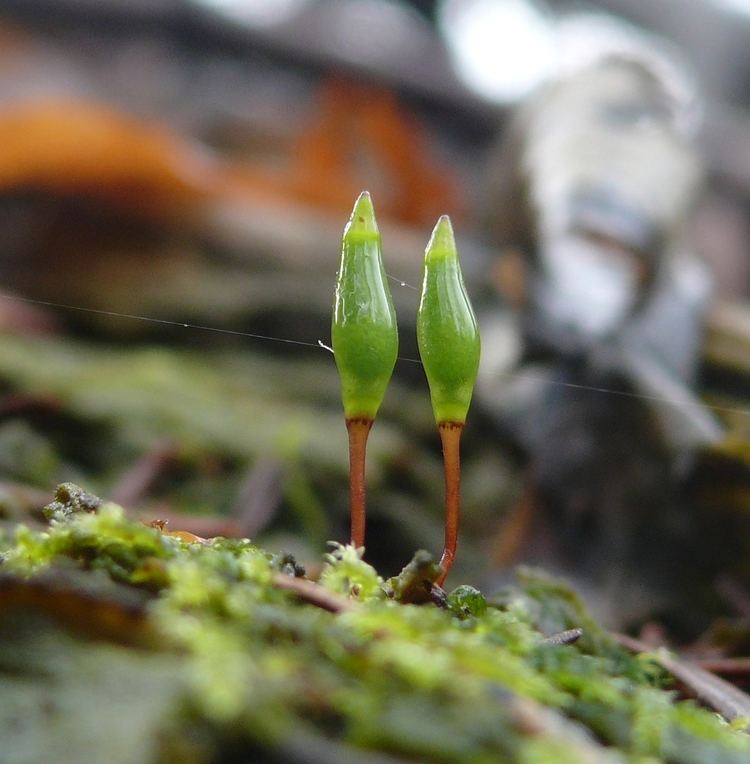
column 414, row 582
column 260, row 670
column 69, row 499
column 64, row 699
column 346, row 573
column 231, row 404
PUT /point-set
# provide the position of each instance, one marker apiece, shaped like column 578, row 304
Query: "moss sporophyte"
column 449, row 346
column 364, row 337
column 365, row 345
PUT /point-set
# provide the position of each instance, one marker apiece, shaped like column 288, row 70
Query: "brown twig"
column 739, row 667
column 135, row 483
column 259, row 497
column 708, row 688
column 514, row 530
column 22, row 404
column 313, row 593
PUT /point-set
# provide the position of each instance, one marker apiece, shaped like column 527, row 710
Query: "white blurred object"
column 611, row 174
column 588, row 289
column 502, row 49
column 608, row 130
column 256, row 13
column 600, row 175
column 736, row 6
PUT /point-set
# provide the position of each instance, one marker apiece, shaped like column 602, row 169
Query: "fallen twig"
column 709, row 689
column 259, row 497
column 313, row 593
column 135, row 483
column 725, row 666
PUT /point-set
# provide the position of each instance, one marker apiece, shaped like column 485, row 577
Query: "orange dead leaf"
column 360, row 137
column 86, row 149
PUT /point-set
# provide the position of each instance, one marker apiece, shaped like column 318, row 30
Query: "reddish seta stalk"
column 358, row 429
column 450, row 436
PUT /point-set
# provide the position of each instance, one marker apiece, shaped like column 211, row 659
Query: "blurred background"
column 175, row 176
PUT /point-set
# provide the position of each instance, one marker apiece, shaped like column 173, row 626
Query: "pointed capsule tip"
column 362, row 219
column 442, row 243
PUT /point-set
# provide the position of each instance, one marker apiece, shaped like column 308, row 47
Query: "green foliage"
column 235, row 405
column 447, row 330
column 250, row 670
column 346, row 573
column 363, row 332
column 27, row 456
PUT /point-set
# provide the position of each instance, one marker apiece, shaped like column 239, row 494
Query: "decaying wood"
column 114, row 612
column 714, row 692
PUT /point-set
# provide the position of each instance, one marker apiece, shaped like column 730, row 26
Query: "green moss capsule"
column 365, row 343
column 447, row 330
column 448, row 341
column 364, row 332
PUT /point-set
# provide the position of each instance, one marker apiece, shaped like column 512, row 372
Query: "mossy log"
column 125, row 643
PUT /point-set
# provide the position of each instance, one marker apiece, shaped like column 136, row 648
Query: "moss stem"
column 358, row 429
column 450, row 436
